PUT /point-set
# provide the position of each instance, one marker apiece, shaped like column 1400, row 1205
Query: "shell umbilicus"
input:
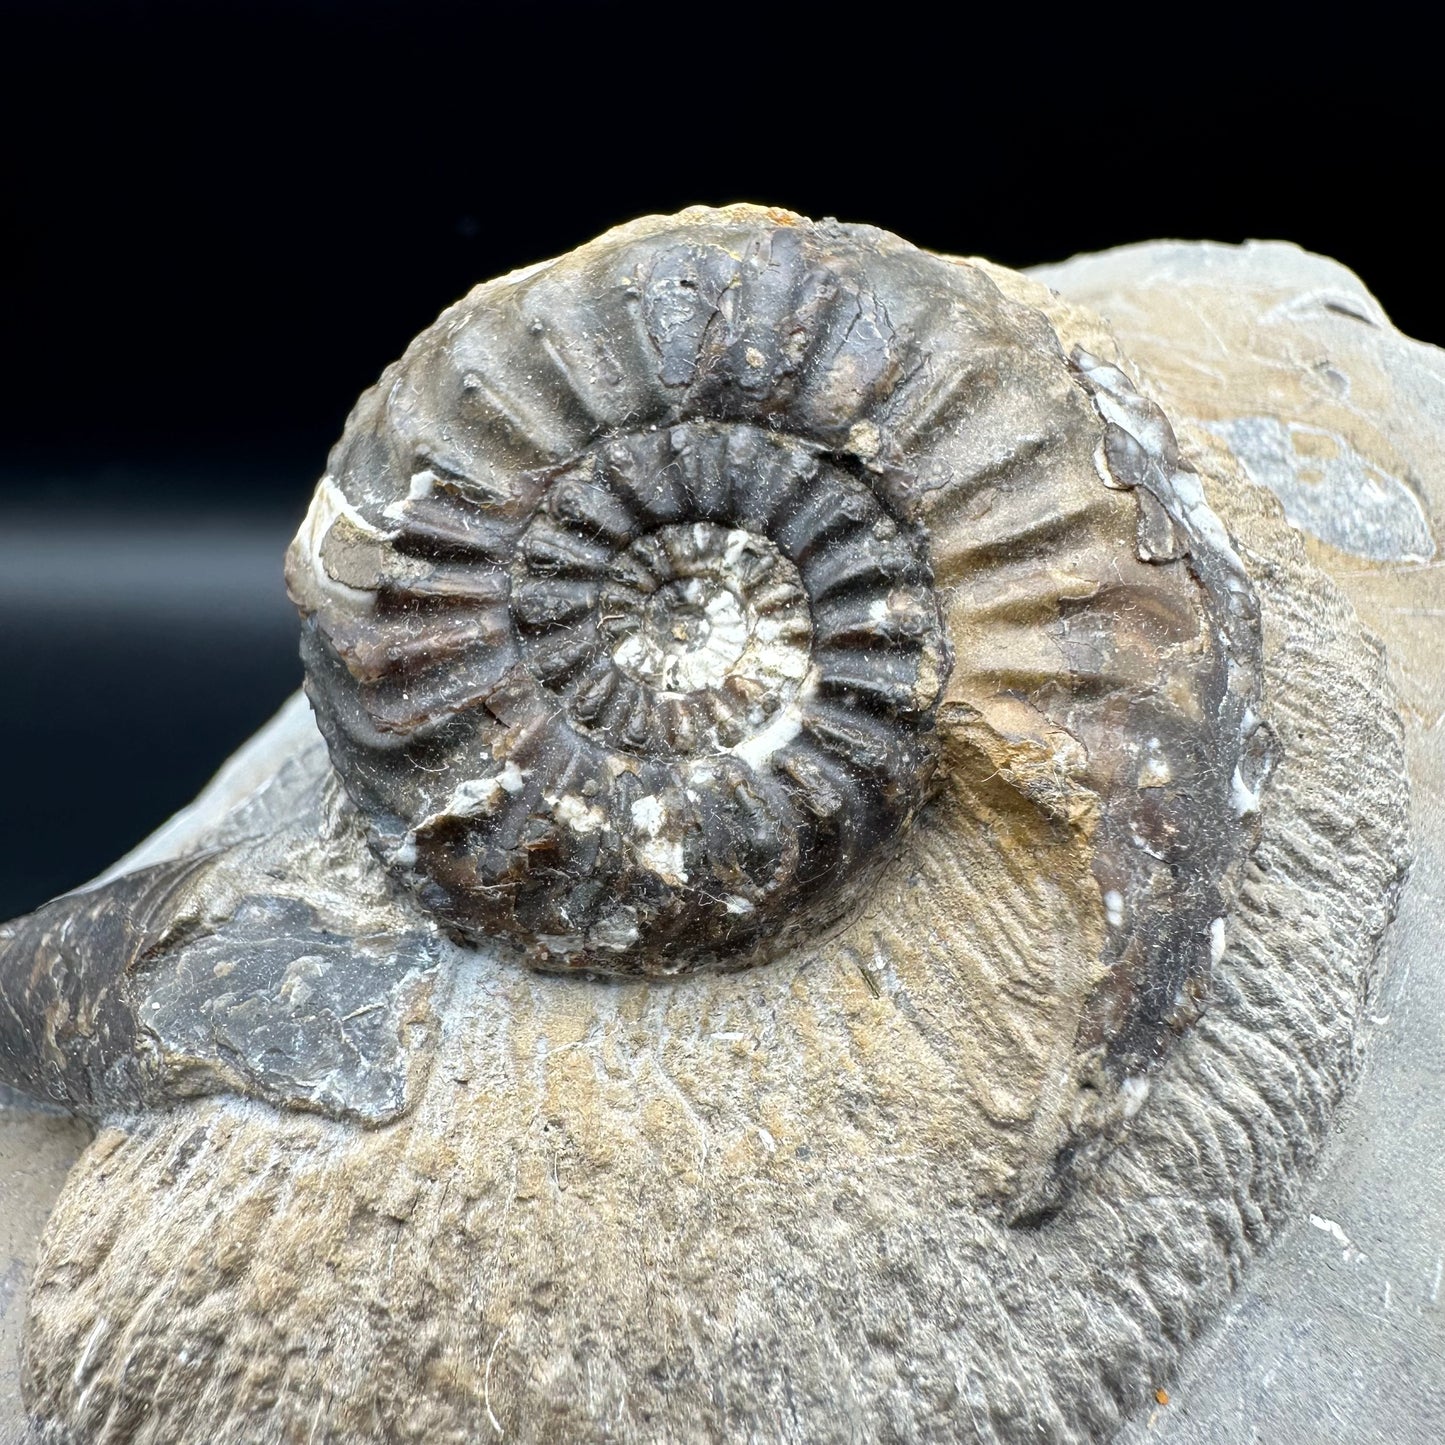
column 804, row 870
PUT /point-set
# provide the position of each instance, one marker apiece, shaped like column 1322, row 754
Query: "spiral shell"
column 647, row 593
column 735, row 590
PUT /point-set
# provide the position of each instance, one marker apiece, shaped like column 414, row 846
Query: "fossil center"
column 693, row 630
column 725, row 606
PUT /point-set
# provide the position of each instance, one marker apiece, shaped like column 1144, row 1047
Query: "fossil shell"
column 644, row 591
column 733, row 591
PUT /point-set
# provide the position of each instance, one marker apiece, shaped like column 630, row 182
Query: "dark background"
column 222, row 221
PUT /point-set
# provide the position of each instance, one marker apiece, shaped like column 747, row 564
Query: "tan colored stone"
column 1288, row 358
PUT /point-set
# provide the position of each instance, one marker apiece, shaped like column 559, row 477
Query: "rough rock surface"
column 1339, row 1333
column 747, row 1219
column 36, row 1151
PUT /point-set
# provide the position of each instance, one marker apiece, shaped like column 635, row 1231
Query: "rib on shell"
column 642, row 594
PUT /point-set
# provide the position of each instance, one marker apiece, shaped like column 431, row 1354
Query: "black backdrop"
column 225, row 218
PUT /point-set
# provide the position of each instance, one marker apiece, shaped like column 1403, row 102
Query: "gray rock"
column 1339, row 1332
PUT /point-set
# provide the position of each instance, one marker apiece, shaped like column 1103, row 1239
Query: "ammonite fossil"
column 663, row 706
column 803, row 741
column 635, row 590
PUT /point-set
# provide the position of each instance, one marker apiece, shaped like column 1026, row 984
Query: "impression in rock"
column 750, row 629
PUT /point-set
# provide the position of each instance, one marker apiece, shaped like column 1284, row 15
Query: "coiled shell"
column 644, row 595
column 878, row 1188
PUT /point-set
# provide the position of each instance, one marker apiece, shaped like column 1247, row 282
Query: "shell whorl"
column 695, row 697
column 644, row 594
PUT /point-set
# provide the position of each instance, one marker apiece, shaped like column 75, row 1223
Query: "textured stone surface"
column 1289, row 359
column 36, row 1151
column 252, row 791
column 659, row 1221
column 267, row 961
column 1340, row 1332
column 750, row 1213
